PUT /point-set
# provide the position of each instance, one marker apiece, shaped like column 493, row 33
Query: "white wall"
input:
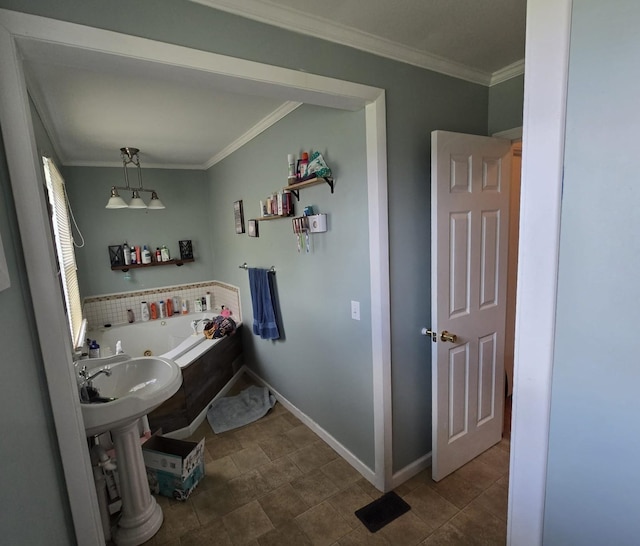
column 592, row 494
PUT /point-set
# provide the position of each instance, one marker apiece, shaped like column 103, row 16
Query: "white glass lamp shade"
column 155, row 202
column 136, row 201
column 115, row 201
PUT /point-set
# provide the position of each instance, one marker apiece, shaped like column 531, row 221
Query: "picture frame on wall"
column 253, row 228
column 238, row 215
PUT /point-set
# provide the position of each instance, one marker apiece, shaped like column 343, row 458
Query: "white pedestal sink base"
column 141, row 515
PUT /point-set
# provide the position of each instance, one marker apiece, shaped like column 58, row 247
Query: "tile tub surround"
column 112, row 308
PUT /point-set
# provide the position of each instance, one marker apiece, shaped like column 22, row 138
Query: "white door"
column 469, row 226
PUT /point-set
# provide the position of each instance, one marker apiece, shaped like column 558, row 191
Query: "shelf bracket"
column 297, row 192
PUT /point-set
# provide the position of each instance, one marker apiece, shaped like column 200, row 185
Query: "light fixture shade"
column 155, row 202
column 136, row 201
column 115, row 201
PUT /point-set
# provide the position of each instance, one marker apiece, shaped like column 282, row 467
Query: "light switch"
column 355, row 310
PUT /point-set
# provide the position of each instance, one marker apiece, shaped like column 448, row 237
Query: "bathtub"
column 171, row 337
column 207, row 365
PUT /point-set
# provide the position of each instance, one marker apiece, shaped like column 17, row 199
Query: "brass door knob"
column 447, row 336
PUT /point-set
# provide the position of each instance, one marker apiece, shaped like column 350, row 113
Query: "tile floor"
column 275, row 482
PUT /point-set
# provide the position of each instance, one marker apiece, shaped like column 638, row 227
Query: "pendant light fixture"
column 130, row 156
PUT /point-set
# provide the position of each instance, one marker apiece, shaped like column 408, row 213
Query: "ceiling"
column 92, row 105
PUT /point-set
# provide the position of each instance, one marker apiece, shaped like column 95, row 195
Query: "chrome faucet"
column 196, row 322
column 86, row 379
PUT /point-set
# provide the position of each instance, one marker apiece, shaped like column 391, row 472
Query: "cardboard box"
column 174, row 467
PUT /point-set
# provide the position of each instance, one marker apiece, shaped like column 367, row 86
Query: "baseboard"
column 186, row 432
column 349, row 457
column 411, row 470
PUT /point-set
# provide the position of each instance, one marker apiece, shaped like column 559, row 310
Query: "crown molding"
column 510, row 71
column 325, row 29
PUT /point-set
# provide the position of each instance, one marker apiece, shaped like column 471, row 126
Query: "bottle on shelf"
column 146, row 255
column 158, row 254
column 127, row 253
column 138, row 255
column 134, row 255
column 303, row 164
column 144, row 311
column 164, row 252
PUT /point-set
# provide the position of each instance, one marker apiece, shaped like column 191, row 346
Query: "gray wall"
column 185, row 193
column 35, row 509
column 418, row 101
column 593, row 473
column 505, row 105
column 324, row 364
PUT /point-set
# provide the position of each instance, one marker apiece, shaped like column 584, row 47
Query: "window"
column 61, row 217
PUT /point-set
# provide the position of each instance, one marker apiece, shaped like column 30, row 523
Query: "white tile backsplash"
column 112, row 308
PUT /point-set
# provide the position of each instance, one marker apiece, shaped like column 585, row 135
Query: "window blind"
column 64, row 247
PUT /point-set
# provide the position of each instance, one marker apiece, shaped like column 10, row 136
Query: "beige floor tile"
column 457, row 490
column 248, row 486
column 221, row 446
column 220, row 471
column 289, row 534
column 247, row 523
column 447, row 535
column 313, row 456
column 323, row 524
column 177, row 521
column 433, row 509
column 341, row 472
column 407, row 530
column 212, row 534
column 314, row 487
column 282, row 505
column 301, row 436
column 363, row 537
column 494, row 500
column 249, row 458
column 497, row 458
column 277, row 446
column 279, row 472
column 347, row 501
column 482, row 527
column 273, row 426
column 212, row 505
column 479, row 474
column 368, row 488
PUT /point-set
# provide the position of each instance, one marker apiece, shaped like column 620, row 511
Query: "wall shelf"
column 126, row 268
column 273, row 217
column 295, row 188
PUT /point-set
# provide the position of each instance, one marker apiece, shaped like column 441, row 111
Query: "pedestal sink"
column 137, row 386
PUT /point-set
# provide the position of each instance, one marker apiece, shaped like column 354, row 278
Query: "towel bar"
column 272, row 269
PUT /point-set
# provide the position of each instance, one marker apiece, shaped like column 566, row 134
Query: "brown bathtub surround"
column 112, row 308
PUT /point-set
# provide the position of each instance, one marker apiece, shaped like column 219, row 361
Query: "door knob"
column 447, row 336
column 430, row 333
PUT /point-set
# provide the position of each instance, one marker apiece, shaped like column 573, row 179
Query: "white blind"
column 64, row 246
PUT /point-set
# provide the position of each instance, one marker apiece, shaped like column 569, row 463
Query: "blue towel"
column 264, row 315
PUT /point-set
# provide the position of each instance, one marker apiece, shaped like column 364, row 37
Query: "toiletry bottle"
column 138, row 255
column 130, row 316
column 127, row 253
column 176, row 306
column 197, row 305
column 162, row 309
column 169, row 306
column 146, row 255
column 207, row 299
column 153, row 308
column 144, row 311
column 158, row 255
column 164, row 251
column 134, row 256
column 94, row 349
column 291, row 175
column 303, row 163
column 184, row 307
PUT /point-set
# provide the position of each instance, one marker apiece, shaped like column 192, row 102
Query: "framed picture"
column 238, row 215
column 253, row 228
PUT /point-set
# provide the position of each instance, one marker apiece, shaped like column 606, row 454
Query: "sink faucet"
column 86, row 379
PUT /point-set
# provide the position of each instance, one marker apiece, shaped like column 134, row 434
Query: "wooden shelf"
column 126, row 268
column 295, row 188
column 273, row 217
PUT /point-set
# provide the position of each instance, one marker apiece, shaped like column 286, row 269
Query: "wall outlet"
column 355, row 310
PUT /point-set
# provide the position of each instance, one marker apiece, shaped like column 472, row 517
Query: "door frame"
column 545, row 99
column 23, row 162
